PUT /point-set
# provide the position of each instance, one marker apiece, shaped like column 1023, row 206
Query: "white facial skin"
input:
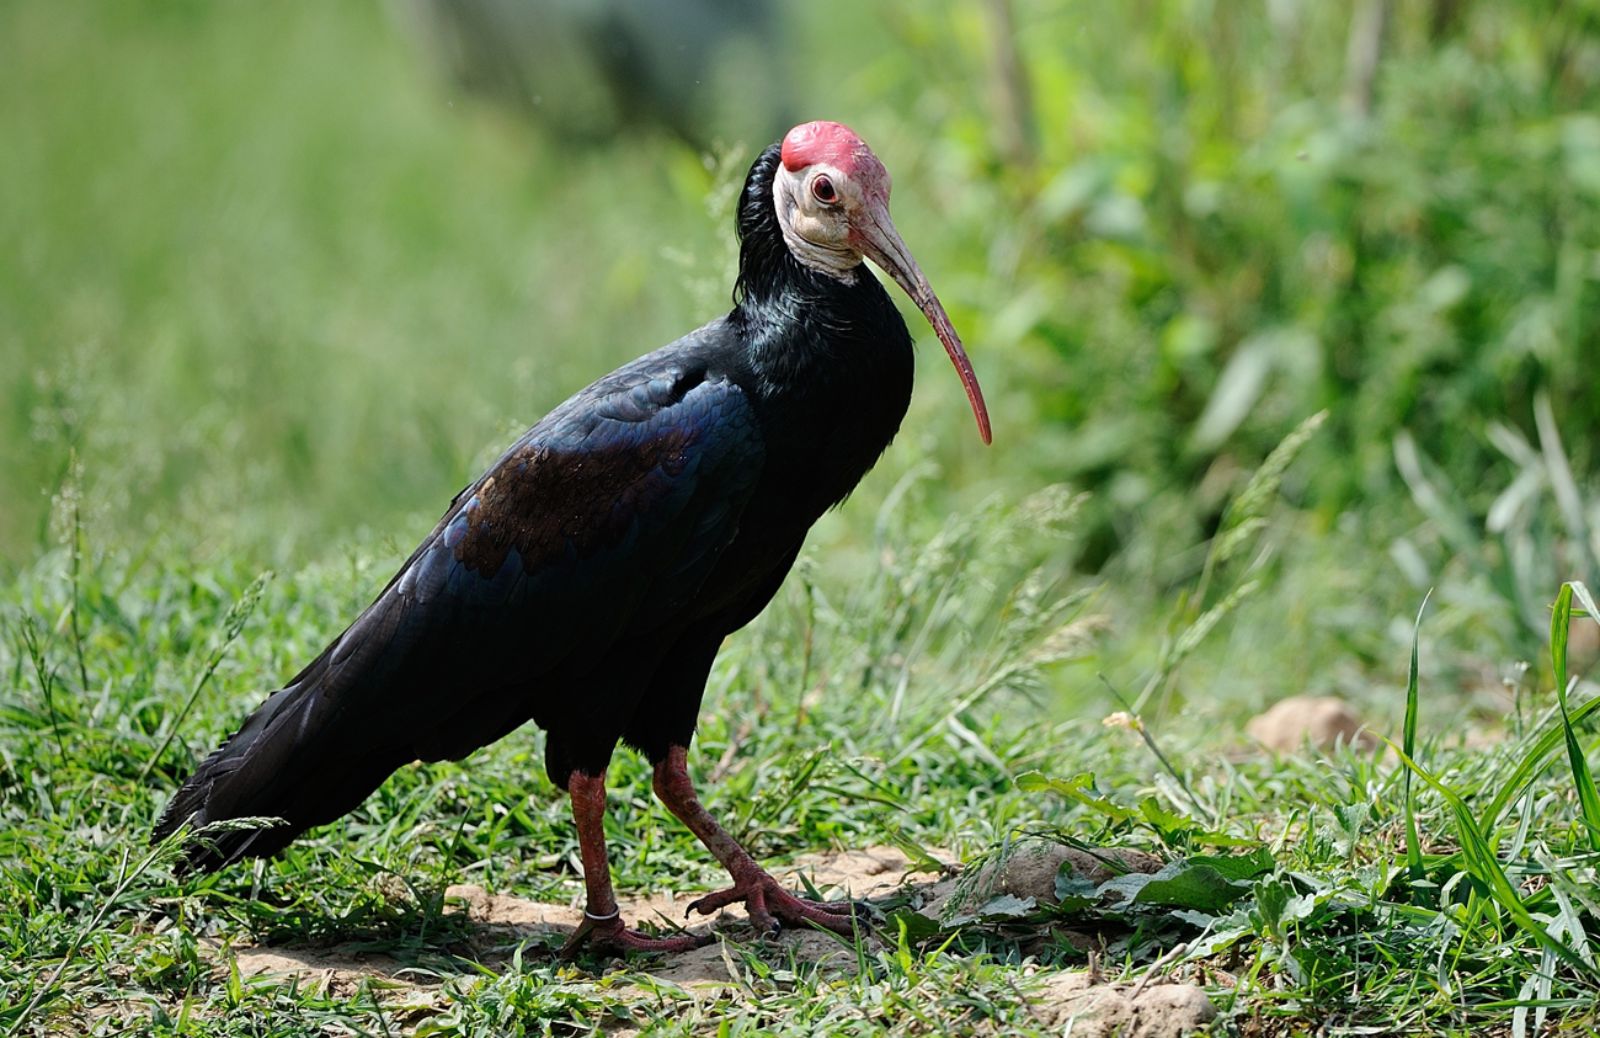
column 831, row 221
column 815, row 208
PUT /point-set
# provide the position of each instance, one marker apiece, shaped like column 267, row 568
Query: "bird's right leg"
column 602, row 925
column 765, row 900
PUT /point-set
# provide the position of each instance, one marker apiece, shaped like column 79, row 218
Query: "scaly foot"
column 770, row 906
column 610, row 936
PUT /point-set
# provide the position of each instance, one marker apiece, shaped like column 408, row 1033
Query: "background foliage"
column 278, row 286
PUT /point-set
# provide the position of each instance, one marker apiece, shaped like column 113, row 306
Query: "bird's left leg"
column 602, row 925
column 767, row 902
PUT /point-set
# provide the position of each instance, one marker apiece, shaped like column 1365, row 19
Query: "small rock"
column 1322, row 721
column 1030, row 870
column 1094, row 1009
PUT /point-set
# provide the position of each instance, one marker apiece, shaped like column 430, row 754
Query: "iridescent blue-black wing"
column 604, row 520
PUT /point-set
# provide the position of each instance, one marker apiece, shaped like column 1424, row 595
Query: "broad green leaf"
column 999, row 909
column 1080, row 788
column 1167, row 823
column 1237, row 866
column 917, row 927
column 1272, row 898
column 1181, row 884
column 1073, row 892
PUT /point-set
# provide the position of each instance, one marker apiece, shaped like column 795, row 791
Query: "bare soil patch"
column 501, row 923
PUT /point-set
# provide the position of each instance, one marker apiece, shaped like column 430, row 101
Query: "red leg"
column 602, row 925
column 764, row 899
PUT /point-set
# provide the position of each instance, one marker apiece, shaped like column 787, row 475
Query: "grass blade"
column 1531, row 762
column 1478, row 858
column 1588, row 796
column 35, row 649
column 1413, row 841
column 233, row 625
column 1581, row 591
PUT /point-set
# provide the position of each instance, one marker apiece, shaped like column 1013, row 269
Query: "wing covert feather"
column 604, row 518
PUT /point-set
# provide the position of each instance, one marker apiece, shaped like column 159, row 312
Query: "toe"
column 839, row 917
column 612, row 938
column 835, row 907
column 761, row 917
column 716, row 900
column 771, row 907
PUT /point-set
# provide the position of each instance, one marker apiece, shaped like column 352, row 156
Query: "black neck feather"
column 830, row 362
column 767, row 269
column 794, row 317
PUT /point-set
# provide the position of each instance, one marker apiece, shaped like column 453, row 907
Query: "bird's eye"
column 822, row 187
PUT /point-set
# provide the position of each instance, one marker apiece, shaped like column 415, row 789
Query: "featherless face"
column 832, row 199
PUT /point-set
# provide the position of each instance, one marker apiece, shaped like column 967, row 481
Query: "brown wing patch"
column 546, row 503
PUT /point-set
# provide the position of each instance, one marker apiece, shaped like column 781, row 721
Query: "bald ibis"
column 587, row 580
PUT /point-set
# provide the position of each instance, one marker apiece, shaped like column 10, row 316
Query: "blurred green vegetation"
column 280, row 290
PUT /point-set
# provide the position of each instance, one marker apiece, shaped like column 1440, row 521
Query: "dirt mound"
column 1320, row 721
column 1086, row 1006
column 1030, row 870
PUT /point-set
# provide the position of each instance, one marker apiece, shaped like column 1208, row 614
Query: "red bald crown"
column 833, row 143
column 838, row 146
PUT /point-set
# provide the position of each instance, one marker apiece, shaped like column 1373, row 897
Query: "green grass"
column 902, row 706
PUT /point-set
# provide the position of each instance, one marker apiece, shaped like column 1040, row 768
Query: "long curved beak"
column 880, row 242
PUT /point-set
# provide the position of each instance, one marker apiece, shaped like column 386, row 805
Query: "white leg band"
column 602, row 918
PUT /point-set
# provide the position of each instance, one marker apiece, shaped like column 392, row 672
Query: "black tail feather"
column 287, row 763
